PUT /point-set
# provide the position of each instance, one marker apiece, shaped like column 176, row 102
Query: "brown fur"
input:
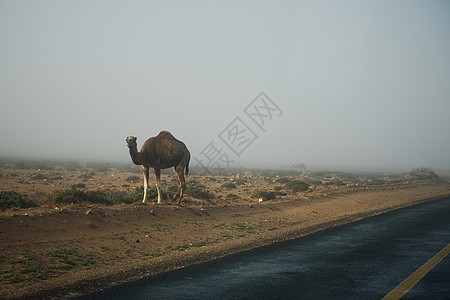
column 161, row 152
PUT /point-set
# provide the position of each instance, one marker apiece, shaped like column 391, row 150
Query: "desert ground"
column 70, row 228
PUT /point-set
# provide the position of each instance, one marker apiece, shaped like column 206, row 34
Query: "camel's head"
column 131, row 142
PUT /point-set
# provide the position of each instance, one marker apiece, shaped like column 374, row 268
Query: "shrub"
column 69, row 196
column 99, row 197
column 133, row 196
column 199, row 193
column 283, row 180
column 229, row 185
column 231, row 196
column 76, row 196
column 14, row 199
column 297, row 186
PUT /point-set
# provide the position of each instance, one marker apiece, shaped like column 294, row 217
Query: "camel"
column 161, row 152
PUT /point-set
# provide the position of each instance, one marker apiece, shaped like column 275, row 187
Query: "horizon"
column 39, row 164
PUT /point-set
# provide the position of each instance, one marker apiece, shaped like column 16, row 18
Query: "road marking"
column 407, row 284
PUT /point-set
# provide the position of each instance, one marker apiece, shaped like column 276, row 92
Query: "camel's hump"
column 164, row 132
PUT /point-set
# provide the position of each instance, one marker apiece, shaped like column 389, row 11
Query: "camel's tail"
column 187, row 168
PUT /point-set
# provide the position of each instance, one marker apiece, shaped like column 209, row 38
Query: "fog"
column 342, row 84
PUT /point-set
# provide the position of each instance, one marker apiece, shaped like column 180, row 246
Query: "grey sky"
column 360, row 83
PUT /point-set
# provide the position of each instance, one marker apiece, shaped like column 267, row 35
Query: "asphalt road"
column 362, row 260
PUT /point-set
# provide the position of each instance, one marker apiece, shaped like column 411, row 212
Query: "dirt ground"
column 66, row 250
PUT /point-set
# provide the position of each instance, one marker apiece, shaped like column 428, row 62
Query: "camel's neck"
column 136, row 157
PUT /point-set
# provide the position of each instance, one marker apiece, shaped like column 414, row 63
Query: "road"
column 362, row 260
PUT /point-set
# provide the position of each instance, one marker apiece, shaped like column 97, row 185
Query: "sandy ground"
column 61, row 251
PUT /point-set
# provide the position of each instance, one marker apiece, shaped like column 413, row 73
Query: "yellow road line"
column 407, row 284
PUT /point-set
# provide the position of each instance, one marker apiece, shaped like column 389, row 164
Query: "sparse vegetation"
column 70, row 196
column 10, row 199
column 76, row 196
column 229, row 185
column 265, row 195
column 297, row 186
column 422, row 173
column 39, row 176
column 282, row 180
column 133, row 178
column 33, row 266
column 79, row 186
column 231, row 196
column 198, row 192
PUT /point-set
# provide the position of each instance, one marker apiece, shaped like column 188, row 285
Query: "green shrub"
column 231, row 196
column 229, row 185
column 14, row 199
column 199, row 193
column 130, row 197
column 297, row 186
column 283, row 180
column 98, row 197
column 76, row 196
column 69, row 196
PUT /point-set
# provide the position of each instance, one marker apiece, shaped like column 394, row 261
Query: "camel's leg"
column 158, row 183
column 145, row 172
column 179, row 188
column 179, row 170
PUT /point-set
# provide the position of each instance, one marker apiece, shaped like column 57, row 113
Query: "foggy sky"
column 357, row 83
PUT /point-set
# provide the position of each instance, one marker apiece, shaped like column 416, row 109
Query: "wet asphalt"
column 361, row 260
